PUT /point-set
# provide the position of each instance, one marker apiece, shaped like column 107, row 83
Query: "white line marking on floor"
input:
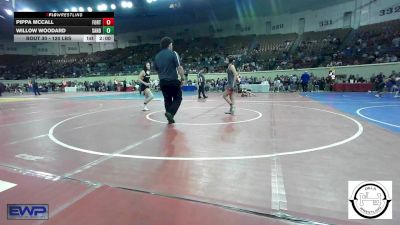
column 31, row 121
column 4, row 185
column 27, row 139
column 313, row 101
column 278, row 200
column 32, row 113
column 19, row 108
column 107, row 157
column 24, row 122
column 45, row 135
column 77, row 128
column 40, row 174
column 378, row 121
column 67, row 204
column 95, row 124
column 29, row 157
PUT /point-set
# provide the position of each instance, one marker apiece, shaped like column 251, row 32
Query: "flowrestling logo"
column 370, row 199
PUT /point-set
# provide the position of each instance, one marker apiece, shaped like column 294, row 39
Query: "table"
column 347, row 87
column 256, row 88
column 189, row 88
column 69, row 89
column 128, row 89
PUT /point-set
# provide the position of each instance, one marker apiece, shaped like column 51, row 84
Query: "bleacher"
column 275, row 44
column 371, row 44
column 323, row 41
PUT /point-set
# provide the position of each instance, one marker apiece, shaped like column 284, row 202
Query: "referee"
column 168, row 67
column 201, row 80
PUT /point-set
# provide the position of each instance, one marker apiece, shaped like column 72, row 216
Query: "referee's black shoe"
column 169, row 117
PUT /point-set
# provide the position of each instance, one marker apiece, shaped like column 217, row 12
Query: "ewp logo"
column 28, row 212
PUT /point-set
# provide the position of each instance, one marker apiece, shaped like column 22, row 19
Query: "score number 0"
column 108, row 25
column 108, row 21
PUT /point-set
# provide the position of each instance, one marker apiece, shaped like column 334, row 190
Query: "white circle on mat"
column 259, row 115
column 378, row 121
column 357, row 134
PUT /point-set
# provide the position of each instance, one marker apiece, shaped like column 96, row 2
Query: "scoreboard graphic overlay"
column 64, row 27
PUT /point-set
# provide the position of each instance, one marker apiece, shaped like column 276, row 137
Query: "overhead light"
column 9, row 12
column 126, row 4
column 123, row 4
column 89, row 9
column 54, row 10
column 113, row 6
column 102, row 7
column 74, row 9
column 26, row 10
column 66, row 10
column 81, row 9
column 174, row 5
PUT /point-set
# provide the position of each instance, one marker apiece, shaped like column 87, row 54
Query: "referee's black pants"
column 201, row 90
column 172, row 93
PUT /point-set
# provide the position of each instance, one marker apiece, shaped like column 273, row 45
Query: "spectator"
column 305, row 78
